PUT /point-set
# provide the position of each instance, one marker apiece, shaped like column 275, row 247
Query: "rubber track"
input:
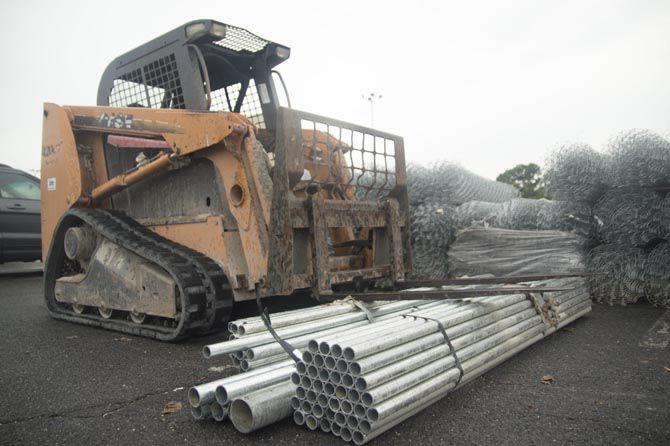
column 206, row 299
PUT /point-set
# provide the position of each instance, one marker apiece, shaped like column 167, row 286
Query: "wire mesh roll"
column 665, row 213
column 418, row 184
column 527, row 214
column 657, row 275
column 639, row 157
column 433, row 230
column 445, row 182
column 477, row 213
column 566, row 216
column 618, row 274
column 576, row 172
column 519, row 213
column 629, row 216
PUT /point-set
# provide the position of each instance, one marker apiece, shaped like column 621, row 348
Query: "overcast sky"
column 486, row 84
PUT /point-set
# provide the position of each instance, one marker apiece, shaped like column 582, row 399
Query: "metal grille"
column 156, row 85
column 251, row 105
column 358, row 160
column 239, row 39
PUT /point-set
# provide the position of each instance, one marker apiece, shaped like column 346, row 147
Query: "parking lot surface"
column 63, row 383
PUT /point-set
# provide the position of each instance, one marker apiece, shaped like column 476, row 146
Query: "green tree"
column 525, row 177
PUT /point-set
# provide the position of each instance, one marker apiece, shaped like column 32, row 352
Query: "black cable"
column 265, row 317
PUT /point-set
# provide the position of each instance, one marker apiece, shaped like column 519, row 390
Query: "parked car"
column 19, row 216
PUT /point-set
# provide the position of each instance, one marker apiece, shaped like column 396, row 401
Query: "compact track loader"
column 189, row 188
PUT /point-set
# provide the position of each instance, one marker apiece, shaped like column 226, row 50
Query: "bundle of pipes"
column 253, row 398
column 359, row 384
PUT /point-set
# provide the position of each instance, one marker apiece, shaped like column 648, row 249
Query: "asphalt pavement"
column 61, row 383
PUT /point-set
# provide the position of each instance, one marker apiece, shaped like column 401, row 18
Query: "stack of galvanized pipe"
column 364, row 376
column 267, row 367
column 360, row 385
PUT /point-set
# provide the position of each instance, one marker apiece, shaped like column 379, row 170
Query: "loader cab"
column 203, row 65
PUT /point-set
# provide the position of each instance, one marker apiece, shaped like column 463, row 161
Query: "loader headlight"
column 218, row 30
column 282, row 52
column 196, row 30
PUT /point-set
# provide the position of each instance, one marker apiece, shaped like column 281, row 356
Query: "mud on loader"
column 189, row 188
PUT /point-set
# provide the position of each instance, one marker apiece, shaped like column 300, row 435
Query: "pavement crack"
column 76, row 413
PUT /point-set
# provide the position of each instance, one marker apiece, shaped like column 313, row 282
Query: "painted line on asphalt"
column 658, row 336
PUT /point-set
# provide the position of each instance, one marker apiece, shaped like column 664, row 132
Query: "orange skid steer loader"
column 189, row 188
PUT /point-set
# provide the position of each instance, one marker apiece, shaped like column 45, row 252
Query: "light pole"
column 372, row 98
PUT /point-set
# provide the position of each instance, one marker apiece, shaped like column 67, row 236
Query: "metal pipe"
column 366, row 431
column 346, row 407
column 325, row 425
column 201, row 412
column 298, row 418
column 364, row 333
column 424, row 328
column 204, row 393
column 227, row 392
column 386, row 373
column 394, row 405
column 334, row 404
column 330, row 363
column 340, row 418
column 399, row 352
column 272, row 348
column 306, row 406
column 317, row 411
column 335, row 429
column 341, row 365
column 262, row 407
column 334, row 377
column 219, row 412
column 305, row 315
column 314, row 344
column 244, row 342
column 322, row 399
column 249, row 364
column 420, row 374
column 352, row 422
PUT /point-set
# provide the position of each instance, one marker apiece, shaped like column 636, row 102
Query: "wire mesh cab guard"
column 337, row 187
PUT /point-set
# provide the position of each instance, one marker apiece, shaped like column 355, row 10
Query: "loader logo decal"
column 51, row 149
column 116, row 120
